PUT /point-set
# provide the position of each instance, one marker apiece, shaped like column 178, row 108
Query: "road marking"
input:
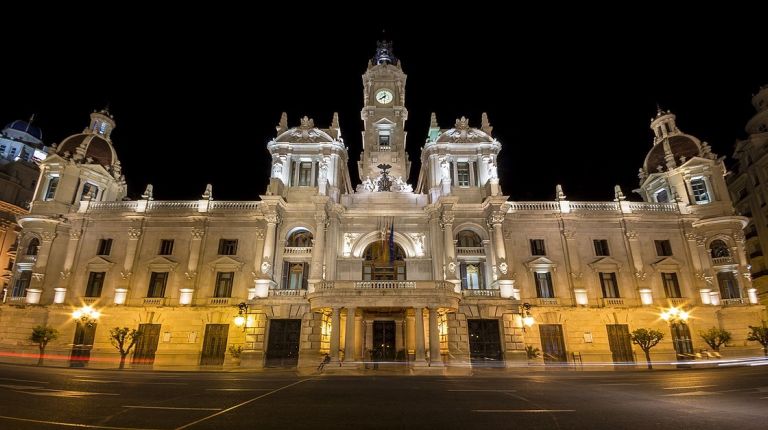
column 237, row 389
column 57, row 423
column 157, row 383
column 172, row 408
column 239, row 404
column 522, row 411
column 688, row 388
column 483, row 391
column 692, row 393
column 98, row 381
column 619, row 383
column 64, row 393
column 23, row 380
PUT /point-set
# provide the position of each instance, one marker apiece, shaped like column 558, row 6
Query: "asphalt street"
column 50, row 398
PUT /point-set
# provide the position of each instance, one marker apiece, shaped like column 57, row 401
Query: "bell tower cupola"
column 384, row 115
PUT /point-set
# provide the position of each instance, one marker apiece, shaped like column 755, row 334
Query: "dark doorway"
column 552, row 343
column 383, row 341
column 620, row 343
column 484, row 342
column 147, row 344
column 215, row 344
column 681, row 339
column 82, row 344
column 283, row 344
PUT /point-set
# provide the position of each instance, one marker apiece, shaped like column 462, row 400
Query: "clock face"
column 384, row 97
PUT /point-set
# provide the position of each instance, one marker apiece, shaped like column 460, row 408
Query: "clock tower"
column 384, row 116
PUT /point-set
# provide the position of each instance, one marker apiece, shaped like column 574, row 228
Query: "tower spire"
column 384, row 53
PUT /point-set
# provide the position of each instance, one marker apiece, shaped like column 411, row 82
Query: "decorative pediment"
column 99, row 264
column 541, row 264
column 226, row 263
column 666, row 264
column 605, row 264
column 161, row 264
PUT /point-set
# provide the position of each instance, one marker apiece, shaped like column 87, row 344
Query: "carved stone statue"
column 147, row 193
column 208, row 194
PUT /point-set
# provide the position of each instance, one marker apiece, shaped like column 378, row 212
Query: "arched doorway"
column 384, row 261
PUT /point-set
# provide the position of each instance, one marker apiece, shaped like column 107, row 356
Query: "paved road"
column 50, row 398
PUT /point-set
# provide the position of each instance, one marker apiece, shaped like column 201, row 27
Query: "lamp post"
column 681, row 334
column 86, row 315
column 241, row 319
column 525, row 312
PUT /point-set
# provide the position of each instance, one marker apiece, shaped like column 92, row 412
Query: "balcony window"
column 671, row 286
column 157, row 283
column 544, row 288
column 33, row 247
column 224, row 282
column 729, row 288
column 295, row 276
column 609, row 285
column 53, row 183
column 299, row 239
column 700, row 194
column 472, row 275
column 468, row 239
column 95, row 283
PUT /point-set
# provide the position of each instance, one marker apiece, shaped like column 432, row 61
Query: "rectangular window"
column 544, row 288
column 383, row 138
column 671, row 286
column 729, row 289
column 105, row 247
column 699, row 188
column 537, row 247
column 22, row 283
column 663, row 248
column 157, row 284
column 295, row 275
column 609, row 285
column 95, row 282
column 166, row 247
column 305, row 174
column 601, row 247
column 472, row 275
column 224, row 282
column 227, row 246
column 53, row 183
column 462, row 174
column 89, row 190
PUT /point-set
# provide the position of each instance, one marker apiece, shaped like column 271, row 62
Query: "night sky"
column 196, row 102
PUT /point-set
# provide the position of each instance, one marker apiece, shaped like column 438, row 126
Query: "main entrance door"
column 82, row 344
column 147, row 344
column 552, row 343
column 214, row 344
column 484, row 341
column 283, row 344
column 620, row 343
column 383, row 341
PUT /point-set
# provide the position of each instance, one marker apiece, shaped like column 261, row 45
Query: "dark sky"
column 196, row 101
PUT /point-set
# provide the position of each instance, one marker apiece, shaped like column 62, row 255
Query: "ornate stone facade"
column 440, row 272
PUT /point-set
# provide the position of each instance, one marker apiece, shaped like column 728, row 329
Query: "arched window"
column 33, row 246
column 384, row 262
column 300, row 238
column 719, row 249
column 468, row 239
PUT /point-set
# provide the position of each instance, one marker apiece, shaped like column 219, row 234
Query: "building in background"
column 21, row 149
column 443, row 270
column 749, row 188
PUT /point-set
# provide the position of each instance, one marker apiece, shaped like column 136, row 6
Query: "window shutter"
column 286, row 273
column 304, row 276
column 463, row 274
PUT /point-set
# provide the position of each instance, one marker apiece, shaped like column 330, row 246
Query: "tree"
column 647, row 339
column 41, row 335
column 759, row 334
column 124, row 339
column 715, row 337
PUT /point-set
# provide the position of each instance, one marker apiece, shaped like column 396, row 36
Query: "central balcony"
column 384, row 293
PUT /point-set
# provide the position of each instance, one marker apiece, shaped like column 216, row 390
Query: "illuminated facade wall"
column 435, row 272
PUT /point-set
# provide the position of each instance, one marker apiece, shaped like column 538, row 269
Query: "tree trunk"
column 122, row 360
column 648, row 358
column 41, row 357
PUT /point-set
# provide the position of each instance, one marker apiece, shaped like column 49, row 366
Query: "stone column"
column 318, row 251
column 265, row 269
column 419, row 325
column 130, row 252
column 35, row 289
column 399, row 341
column 349, row 341
column 335, row 333
column 434, row 339
column 505, row 281
column 60, row 292
column 436, row 248
column 451, row 265
column 195, row 247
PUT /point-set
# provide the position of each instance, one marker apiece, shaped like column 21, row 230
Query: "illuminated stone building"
column 749, row 190
column 441, row 270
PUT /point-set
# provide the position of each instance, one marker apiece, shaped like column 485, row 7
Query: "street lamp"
column 681, row 334
column 674, row 315
column 527, row 317
column 86, row 315
column 241, row 319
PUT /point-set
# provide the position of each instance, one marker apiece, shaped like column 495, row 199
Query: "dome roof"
column 680, row 145
column 96, row 148
column 27, row 128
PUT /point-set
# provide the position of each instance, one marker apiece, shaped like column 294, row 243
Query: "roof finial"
column 283, row 124
column 148, row 193
column 384, row 53
column 486, row 125
column 208, row 194
column 617, row 194
column 335, row 121
column 433, row 121
column 31, row 119
column 559, row 194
